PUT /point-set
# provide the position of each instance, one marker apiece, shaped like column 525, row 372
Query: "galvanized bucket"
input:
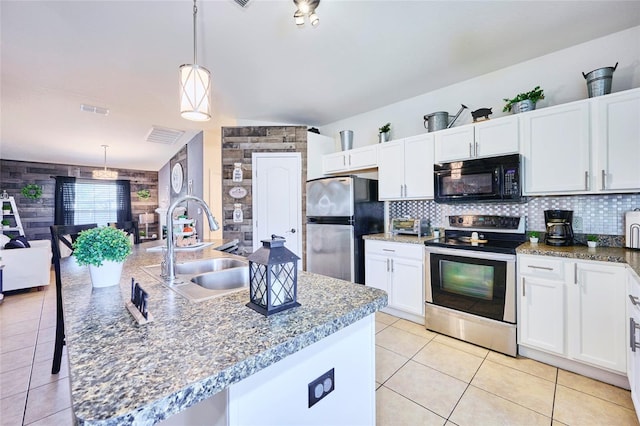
column 599, row 81
column 346, row 139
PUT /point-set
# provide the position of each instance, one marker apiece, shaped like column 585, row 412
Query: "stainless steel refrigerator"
column 340, row 210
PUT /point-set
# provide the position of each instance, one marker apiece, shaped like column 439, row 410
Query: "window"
column 80, row 201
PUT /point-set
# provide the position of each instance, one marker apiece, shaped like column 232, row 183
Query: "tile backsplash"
column 592, row 214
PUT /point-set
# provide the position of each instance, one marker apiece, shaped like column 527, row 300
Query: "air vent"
column 242, row 3
column 164, row 135
column 94, row 109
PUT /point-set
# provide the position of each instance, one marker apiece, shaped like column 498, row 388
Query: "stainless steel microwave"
column 494, row 179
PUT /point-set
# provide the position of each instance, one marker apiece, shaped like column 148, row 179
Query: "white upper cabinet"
column 362, row 158
column 405, row 169
column 617, row 133
column 484, row 139
column 556, row 149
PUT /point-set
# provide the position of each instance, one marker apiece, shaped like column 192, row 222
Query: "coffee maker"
column 559, row 227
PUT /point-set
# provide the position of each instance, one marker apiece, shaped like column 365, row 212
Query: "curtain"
column 80, row 201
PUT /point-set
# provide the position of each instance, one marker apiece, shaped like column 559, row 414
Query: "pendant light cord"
column 195, row 12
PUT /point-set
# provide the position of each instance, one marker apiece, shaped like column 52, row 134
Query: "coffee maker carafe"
column 559, row 228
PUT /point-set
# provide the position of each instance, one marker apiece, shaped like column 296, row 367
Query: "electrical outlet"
column 321, row 387
column 577, row 223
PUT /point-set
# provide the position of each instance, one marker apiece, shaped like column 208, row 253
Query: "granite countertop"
column 123, row 373
column 398, row 238
column 603, row 254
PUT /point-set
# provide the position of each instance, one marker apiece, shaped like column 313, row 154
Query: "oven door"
column 478, row 283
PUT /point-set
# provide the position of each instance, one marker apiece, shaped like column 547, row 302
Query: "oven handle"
column 472, row 254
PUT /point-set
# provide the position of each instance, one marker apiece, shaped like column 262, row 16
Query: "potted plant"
column 144, row 194
column 6, row 209
column 5, row 222
column 104, row 250
column 592, row 240
column 384, row 133
column 534, row 236
column 524, row 101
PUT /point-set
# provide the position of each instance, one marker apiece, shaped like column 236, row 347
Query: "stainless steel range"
column 470, row 280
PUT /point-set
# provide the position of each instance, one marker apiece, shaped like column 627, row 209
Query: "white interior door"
column 277, row 198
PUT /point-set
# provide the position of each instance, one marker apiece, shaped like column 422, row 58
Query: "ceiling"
column 124, row 56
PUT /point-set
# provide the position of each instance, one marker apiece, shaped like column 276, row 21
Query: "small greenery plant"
column 95, row 245
column 385, row 128
column 592, row 238
column 534, row 96
column 5, row 222
column 534, row 234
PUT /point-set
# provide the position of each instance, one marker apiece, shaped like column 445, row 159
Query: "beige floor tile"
column 446, row 359
column 41, row 372
column 385, row 318
column 12, row 315
column 19, row 341
column 595, row 388
column 478, row 407
column 61, row 418
column 44, row 351
column 47, row 400
column 425, row 386
column 577, row 408
column 20, row 327
column 393, row 410
column 380, row 326
column 527, row 365
column 387, row 363
column 400, row 341
column 414, row 328
column 463, row 346
column 554, row 422
column 47, row 335
column 522, row 388
column 12, row 409
column 16, row 359
column 14, row 381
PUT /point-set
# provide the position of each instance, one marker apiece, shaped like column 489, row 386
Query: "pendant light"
column 195, row 85
column 306, row 8
column 104, row 173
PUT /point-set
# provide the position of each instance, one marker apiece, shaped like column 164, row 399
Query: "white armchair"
column 26, row 267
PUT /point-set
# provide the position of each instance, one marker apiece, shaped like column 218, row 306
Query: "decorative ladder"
column 14, row 217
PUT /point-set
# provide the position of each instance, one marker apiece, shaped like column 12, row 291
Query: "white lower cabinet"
column 397, row 268
column 573, row 309
column 633, row 345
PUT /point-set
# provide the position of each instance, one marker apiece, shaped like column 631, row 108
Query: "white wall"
column 559, row 74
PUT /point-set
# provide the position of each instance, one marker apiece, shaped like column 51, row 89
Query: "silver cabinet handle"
column 344, row 160
column 586, row 181
column 475, row 152
column 401, row 191
column 392, row 251
column 470, row 152
column 391, row 265
column 349, row 159
column 387, row 265
column 405, row 189
column 546, row 268
column 633, row 326
column 575, row 273
column 634, row 300
column 523, row 288
column 604, row 177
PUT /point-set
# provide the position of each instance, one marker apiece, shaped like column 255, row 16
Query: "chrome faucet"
column 169, row 259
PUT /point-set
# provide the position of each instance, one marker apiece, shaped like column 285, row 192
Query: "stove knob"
column 460, row 220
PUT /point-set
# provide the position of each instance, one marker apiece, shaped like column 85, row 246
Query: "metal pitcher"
column 440, row 120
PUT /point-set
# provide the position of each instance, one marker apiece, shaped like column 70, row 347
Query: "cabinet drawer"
column 384, row 248
column 541, row 266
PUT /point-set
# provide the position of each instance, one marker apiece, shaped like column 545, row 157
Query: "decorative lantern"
column 273, row 277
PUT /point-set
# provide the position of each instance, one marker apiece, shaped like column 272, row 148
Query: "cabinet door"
column 407, row 285
column 418, row 167
column 363, row 158
column 334, row 162
column 541, row 314
column 391, row 170
column 596, row 315
column 454, row 144
column 633, row 354
column 376, row 271
column 497, row 137
column 556, row 149
column 618, row 133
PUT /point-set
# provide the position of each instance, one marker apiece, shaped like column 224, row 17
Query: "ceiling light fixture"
column 306, row 8
column 104, row 173
column 195, row 85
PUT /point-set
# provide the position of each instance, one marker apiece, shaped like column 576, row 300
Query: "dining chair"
column 131, row 227
column 65, row 235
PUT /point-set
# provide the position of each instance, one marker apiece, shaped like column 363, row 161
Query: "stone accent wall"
column 37, row 215
column 238, row 143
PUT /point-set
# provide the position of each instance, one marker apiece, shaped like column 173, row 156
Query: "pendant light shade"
column 104, row 173
column 195, row 85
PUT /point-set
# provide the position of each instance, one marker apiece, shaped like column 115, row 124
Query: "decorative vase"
column 523, row 106
column 106, row 275
column 384, row 137
column 592, row 244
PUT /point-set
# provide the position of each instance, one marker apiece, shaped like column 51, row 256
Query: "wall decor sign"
column 237, row 192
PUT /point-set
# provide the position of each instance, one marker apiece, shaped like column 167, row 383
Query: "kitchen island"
column 123, row 373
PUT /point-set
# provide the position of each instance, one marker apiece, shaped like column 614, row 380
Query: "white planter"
column 592, row 244
column 106, row 275
column 533, row 240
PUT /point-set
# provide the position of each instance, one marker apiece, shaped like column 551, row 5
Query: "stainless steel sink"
column 204, row 279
